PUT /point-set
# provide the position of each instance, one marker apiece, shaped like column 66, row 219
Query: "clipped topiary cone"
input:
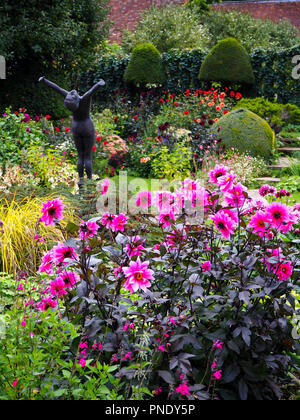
column 227, row 62
column 246, row 132
column 145, row 66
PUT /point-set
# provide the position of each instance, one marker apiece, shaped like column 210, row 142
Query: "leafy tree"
column 50, row 37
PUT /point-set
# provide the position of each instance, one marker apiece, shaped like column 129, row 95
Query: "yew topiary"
column 246, row 132
column 145, row 66
column 227, row 62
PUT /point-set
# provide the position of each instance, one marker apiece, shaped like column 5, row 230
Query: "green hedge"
column 272, row 71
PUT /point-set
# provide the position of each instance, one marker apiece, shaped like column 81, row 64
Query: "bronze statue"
column 82, row 125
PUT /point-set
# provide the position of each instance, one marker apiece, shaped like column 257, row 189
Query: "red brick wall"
column 268, row 10
column 126, row 13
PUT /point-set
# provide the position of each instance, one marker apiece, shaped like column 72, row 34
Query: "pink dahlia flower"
column 52, row 211
column 217, row 172
column 135, row 246
column 166, row 219
column 260, row 223
column 88, row 230
column 69, row 278
column 138, row 275
column 235, row 196
column 46, row 266
column 224, row 223
column 57, row 288
column 119, row 223
column 279, row 214
column 104, row 186
column 61, row 252
column 107, row 220
column 144, row 199
column 285, row 270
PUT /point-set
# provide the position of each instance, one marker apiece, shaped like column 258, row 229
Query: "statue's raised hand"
column 101, row 83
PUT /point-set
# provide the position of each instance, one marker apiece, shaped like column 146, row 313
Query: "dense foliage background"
column 53, row 38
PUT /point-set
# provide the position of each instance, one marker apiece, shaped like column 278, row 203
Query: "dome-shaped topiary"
column 247, row 132
column 227, row 62
column 145, row 66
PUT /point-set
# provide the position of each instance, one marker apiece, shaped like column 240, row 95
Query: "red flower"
column 94, row 148
column 238, row 95
column 98, row 138
column 186, row 112
column 176, row 103
column 67, row 130
column 57, row 129
column 225, row 112
column 135, row 117
column 47, row 117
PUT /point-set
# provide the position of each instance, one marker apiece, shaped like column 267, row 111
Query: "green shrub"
column 172, row 165
column 246, row 132
column 227, row 62
column 170, row 27
column 145, row 66
column 273, row 112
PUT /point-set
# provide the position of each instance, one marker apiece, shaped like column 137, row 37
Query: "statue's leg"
column 88, row 155
column 79, row 143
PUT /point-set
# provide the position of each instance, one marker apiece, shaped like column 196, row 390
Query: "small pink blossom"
column 127, row 356
column 82, row 362
column 218, row 374
column 183, row 389
column 206, row 266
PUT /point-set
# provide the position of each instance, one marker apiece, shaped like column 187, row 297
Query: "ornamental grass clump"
column 22, row 242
